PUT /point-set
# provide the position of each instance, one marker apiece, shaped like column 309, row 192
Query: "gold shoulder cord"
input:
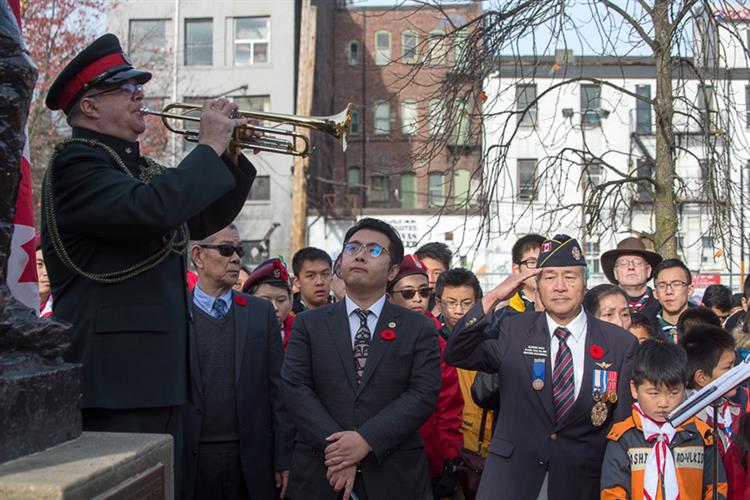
column 171, row 242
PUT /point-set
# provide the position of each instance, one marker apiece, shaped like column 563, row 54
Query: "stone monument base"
column 39, row 404
column 102, row 465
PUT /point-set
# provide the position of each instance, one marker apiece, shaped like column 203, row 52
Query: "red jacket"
column 288, row 322
column 441, row 432
column 738, row 478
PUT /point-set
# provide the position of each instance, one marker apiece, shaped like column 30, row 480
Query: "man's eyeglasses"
column 226, row 250
column 128, row 87
column 630, row 262
column 409, row 294
column 529, row 263
column 674, row 285
column 453, row 305
column 373, row 249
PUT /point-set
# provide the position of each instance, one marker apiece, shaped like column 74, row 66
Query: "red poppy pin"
column 240, row 301
column 596, row 351
column 388, row 335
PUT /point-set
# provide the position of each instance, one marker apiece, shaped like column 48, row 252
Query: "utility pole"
column 306, row 70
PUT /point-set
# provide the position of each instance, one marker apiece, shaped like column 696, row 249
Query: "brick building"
column 390, row 63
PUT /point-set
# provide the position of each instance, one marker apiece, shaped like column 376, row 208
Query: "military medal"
column 598, row 413
column 537, row 381
column 600, row 395
column 612, row 386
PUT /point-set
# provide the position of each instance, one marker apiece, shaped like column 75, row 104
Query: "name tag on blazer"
column 535, row 350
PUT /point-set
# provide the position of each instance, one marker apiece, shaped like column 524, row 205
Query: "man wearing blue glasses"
column 360, row 378
column 114, row 233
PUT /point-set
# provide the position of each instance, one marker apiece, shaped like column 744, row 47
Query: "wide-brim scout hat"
column 101, row 64
column 410, row 265
column 628, row 246
column 560, row 251
column 271, row 271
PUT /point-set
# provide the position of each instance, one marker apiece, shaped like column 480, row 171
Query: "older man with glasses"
column 115, row 228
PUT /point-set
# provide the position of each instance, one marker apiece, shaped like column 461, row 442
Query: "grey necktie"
column 361, row 343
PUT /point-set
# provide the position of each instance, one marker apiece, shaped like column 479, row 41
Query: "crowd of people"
column 376, row 375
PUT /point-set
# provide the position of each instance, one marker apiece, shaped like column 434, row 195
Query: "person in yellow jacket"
column 456, row 291
column 525, row 253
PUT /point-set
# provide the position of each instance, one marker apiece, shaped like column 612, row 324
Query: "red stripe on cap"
column 96, row 68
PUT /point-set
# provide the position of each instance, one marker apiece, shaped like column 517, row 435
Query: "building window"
column 707, row 255
column 460, row 47
column 252, row 40
column 354, row 129
column 382, row 117
column 379, row 187
column 147, row 41
column 408, row 191
column 645, row 193
column 526, row 98
column 199, row 44
column 382, row 48
column 352, row 53
column 461, row 183
column 643, row 109
column 354, row 179
column 593, row 173
column 257, row 103
column 435, row 120
column 590, row 104
column 436, row 189
column 592, row 257
column 436, row 47
column 706, row 105
column 527, row 179
column 261, row 190
column 460, row 133
column 409, row 117
column 409, row 43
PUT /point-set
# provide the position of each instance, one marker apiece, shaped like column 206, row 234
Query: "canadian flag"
column 22, row 277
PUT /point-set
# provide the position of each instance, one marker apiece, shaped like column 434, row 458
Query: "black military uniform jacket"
column 132, row 336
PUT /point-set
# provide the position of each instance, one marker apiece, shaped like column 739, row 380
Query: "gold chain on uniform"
column 172, row 244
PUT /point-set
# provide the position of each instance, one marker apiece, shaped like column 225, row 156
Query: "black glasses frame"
column 226, row 250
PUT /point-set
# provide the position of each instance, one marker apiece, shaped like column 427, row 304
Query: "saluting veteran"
column 115, row 229
column 564, row 374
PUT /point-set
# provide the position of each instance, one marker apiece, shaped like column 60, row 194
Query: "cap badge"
column 546, row 247
column 576, row 253
column 276, row 273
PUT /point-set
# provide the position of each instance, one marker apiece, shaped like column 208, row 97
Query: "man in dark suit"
column 360, row 378
column 237, row 437
column 114, row 233
column 563, row 375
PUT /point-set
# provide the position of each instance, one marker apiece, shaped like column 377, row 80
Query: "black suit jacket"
column 398, row 392
column 131, row 337
column 266, row 432
column 528, row 443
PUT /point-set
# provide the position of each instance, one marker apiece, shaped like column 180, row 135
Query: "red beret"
column 272, row 271
column 410, row 264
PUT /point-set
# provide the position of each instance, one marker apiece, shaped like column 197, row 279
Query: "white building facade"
column 244, row 51
column 569, row 127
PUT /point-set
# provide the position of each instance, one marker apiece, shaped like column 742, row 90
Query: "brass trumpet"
column 269, row 139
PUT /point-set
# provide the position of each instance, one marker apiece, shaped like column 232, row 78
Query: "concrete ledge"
column 95, row 464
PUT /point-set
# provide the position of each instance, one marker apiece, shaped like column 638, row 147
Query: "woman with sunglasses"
column 441, row 432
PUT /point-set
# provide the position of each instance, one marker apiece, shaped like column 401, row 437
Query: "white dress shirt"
column 372, row 318
column 576, row 343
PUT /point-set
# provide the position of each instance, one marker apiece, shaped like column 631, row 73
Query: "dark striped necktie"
column 361, row 345
column 563, row 385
